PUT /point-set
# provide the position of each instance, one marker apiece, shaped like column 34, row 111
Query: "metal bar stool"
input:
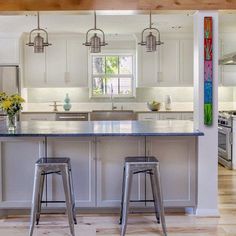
column 46, row 166
column 135, row 165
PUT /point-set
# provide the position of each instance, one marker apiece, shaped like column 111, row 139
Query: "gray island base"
column 97, row 151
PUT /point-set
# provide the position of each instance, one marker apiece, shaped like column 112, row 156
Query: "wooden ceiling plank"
column 62, row 5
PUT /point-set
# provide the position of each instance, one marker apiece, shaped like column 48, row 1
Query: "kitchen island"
column 97, row 151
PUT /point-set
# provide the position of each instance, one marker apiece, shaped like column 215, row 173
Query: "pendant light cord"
column 95, row 20
column 38, row 19
column 150, row 19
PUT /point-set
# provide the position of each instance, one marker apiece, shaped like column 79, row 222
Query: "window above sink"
column 112, row 74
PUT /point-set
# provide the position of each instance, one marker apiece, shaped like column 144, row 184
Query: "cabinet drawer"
column 148, row 116
column 187, row 116
column 170, row 116
column 37, row 116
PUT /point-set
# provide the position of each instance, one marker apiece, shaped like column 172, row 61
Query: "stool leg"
column 160, row 198
column 122, row 197
column 155, row 197
column 69, row 202
column 127, row 190
column 41, row 185
column 35, row 198
column 73, row 197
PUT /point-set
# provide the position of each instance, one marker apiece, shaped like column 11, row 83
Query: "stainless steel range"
column 225, row 138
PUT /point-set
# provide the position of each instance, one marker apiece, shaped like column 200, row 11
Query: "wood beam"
column 61, row 5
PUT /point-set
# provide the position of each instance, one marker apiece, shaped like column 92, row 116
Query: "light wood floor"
column 106, row 224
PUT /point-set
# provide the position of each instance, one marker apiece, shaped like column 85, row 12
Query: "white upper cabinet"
column 34, row 68
column 170, row 65
column 228, row 72
column 56, row 67
column 64, row 64
column 9, row 50
column 77, row 62
column 186, row 62
column 148, row 68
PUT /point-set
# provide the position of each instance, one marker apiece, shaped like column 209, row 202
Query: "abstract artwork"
column 208, row 74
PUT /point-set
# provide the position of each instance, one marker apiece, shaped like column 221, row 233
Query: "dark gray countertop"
column 102, row 128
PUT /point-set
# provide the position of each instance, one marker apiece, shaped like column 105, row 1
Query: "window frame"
column 132, row 76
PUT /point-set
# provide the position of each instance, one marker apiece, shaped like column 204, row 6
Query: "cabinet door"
column 34, row 68
column 9, row 51
column 77, row 63
column 149, row 64
column 81, row 153
column 187, row 116
column 170, row 116
column 148, row 116
column 37, row 116
column 17, row 160
column 169, row 63
column 56, row 62
column 111, row 152
column 186, row 62
column 228, row 71
column 178, row 175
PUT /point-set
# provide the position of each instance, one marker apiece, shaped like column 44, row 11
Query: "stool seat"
column 53, row 160
column 141, row 164
column 46, row 166
column 149, row 159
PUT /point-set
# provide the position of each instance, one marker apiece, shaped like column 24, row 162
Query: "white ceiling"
column 122, row 23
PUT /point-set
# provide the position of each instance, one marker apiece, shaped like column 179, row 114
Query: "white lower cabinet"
column 187, row 116
column 37, row 116
column 97, row 166
column 148, row 116
column 178, row 175
column 111, row 153
column 166, row 116
column 170, row 116
column 81, row 153
column 17, row 159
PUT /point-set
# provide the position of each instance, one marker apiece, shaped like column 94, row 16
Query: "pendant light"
column 95, row 43
column 151, row 41
column 38, row 42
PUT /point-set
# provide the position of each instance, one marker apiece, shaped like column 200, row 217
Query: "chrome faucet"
column 113, row 107
column 55, row 105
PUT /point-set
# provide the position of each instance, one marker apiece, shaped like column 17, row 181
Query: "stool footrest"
column 52, row 172
column 53, row 201
column 141, row 200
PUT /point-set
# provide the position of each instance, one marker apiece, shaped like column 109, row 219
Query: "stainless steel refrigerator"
column 9, row 81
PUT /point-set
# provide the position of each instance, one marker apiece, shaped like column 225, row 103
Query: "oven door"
column 225, row 142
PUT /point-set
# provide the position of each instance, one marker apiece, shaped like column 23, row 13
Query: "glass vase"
column 11, row 122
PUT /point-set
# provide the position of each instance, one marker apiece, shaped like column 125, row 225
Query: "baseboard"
column 83, row 210
column 207, row 212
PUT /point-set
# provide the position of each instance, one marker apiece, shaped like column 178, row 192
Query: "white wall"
column 207, row 204
column 82, row 95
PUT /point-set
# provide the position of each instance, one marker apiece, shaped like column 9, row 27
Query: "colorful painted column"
column 208, row 74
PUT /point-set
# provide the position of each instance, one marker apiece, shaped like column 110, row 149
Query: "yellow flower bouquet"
column 11, row 105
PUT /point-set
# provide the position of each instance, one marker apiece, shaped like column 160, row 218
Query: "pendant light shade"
column 95, row 43
column 39, row 43
column 151, row 40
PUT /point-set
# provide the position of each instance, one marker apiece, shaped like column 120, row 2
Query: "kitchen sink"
column 113, row 115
